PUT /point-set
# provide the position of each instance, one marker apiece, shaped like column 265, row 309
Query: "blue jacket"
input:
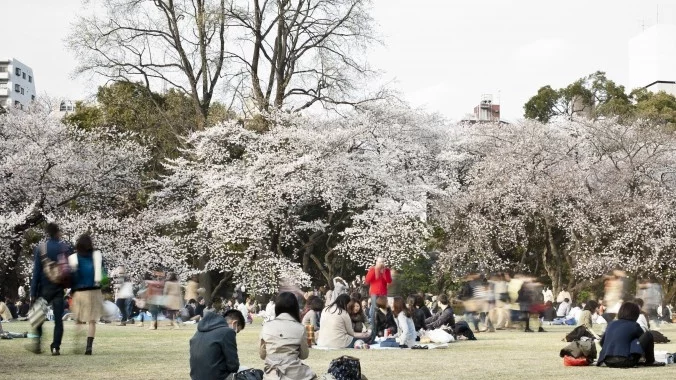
column 40, row 284
column 621, row 339
column 213, row 349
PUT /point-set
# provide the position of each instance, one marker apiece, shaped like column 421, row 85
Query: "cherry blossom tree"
column 308, row 198
column 571, row 199
column 49, row 169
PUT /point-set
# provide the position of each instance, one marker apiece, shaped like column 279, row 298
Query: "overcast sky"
column 441, row 54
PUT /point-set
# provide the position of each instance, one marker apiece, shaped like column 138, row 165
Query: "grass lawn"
column 131, row 352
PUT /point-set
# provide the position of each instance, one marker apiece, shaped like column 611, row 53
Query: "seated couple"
column 283, row 344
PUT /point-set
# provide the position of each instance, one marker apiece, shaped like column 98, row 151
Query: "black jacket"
column 213, row 349
column 418, row 319
column 385, row 321
column 441, row 319
column 621, row 339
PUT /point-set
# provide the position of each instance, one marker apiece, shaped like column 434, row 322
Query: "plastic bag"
column 440, row 336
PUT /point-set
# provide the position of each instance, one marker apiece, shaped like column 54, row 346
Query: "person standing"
column 563, row 294
column 87, row 265
column 124, row 295
column 52, row 247
column 378, row 277
column 172, row 298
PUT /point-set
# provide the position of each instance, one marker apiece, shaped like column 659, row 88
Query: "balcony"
column 4, row 75
column 4, row 92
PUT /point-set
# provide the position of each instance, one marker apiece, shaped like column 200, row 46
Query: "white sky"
column 441, row 54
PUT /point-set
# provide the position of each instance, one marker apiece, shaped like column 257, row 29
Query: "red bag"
column 570, row 361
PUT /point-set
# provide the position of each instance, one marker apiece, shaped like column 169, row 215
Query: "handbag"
column 37, row 313
column 345, row 368
column 57, row 272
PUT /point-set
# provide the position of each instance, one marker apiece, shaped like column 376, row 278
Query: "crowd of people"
column 361, row 314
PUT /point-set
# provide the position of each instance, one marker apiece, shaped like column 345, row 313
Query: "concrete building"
column 17, row 84
column 652, row 59
column 487, row 111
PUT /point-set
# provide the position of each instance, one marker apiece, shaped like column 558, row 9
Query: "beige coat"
column 283, row 345
column 172, row 293
column 191, row 291
column 336, row 329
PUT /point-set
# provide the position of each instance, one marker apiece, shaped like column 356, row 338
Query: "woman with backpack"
column 87, row 265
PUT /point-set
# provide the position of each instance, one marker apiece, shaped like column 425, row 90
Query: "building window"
column 17, row 71
column 21, row 90
column 24, row 75
column 3, row 85
column 30, row 79
column 17, row 88
column 3, row 69
column 32, row 97
column 17, row 103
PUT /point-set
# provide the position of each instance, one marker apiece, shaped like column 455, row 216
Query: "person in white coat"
column 406, row 334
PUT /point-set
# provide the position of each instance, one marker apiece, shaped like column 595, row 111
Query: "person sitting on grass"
column 358, row 317
column 213, row 348
column 284, row 343
column 624, row 343
column 406, row 335
column 586, row 317
column 336, row 326
column 414, row 304
column 315, row 305
column 444, row 318
column 384, row 319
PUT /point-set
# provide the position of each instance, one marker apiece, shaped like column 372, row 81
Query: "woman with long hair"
column 87, row 265
column 283, row 342
column 406, row 334
column 413, row 303
column 357, row 317
column 337, row 331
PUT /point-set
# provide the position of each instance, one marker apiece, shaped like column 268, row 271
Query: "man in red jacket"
column 378, row 277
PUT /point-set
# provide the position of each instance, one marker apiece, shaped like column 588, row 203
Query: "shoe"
column 54, row 350
column 90, row 342
column 655, row 364
column 122, row 324
column 528, row 330
column 541, row 330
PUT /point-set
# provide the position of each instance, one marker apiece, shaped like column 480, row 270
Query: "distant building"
column 66, row 107
column 17, row 84
column 486, row 112
column 652, row 59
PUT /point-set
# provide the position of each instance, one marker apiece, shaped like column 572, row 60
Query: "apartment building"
column 17, row 84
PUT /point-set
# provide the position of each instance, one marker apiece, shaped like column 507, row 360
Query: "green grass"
column 136, row 353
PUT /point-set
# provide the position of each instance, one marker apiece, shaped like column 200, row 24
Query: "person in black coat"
column 417, row 314
column 213, row 348
column 624, row 343
column 53, row 293
column 444, row 318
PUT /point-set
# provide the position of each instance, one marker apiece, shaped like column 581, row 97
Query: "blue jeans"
column 372, row 311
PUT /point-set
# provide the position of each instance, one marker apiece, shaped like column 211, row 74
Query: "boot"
column 90, row 342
